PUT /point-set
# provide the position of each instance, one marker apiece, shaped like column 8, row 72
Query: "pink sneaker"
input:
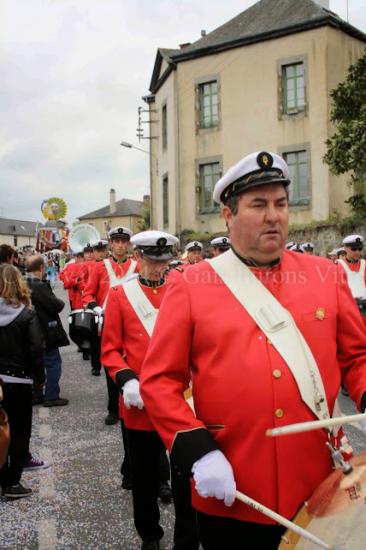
column 35, row 464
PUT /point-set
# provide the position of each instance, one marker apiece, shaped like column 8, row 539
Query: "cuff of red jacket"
column 124, row 376
column 188, row 447
column 363, row 402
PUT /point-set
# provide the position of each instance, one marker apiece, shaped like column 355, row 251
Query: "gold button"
column 277, row 373
column 279, row 413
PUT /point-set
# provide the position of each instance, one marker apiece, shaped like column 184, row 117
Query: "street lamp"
column 130, row 146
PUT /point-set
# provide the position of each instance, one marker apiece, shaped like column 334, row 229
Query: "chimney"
column 323, row 3
column 185, row 45
column 146, row 202
column 203, row 33
column 112, row 201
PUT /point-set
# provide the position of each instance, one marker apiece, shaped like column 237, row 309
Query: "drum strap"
column 278, row 325
column 141, row 305
column 113, row 279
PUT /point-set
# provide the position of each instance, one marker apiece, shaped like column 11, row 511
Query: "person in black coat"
column 48, row 307
column 21, row 353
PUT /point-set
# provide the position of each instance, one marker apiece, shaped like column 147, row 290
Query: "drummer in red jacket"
column 106, row 274
column 265, row 335
column 128, row 324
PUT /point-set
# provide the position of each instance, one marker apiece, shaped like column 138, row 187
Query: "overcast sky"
column 72, row 73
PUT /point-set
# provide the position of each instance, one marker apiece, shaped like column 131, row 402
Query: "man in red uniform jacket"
column 355, row 270
column 128, row 324
column 105, row 275
column 241, row 385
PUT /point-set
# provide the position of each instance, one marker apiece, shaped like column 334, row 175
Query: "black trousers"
column 145, row 450
column 95, row 352
column 113, row 394
column 126, row 464
column 185, row 526
column 219, row 533
column 18, row 404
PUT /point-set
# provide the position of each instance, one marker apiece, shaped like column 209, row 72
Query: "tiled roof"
column 124, row 207
column 17, row 227
column 265, row 20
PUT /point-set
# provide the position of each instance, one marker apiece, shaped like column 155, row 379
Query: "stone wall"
column 326, row 237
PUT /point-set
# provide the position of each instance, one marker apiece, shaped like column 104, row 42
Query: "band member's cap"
column 120, row 231
column 100, row 244
column 289, row 245
column 221, row 242
column 353, row 240
column 194, row 245
column 155, row 245
column 307, row 246
column 256, row 169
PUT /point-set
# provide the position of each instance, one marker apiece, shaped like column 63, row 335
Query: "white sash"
column 278, row 325
column 141, row 305
column 356, row 279
column 113, row 279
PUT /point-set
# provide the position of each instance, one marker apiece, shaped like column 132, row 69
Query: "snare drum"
column 344, row 530
column 336, row 516
column 83, row 327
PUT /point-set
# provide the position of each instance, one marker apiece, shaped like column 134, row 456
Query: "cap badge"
column 161, row 243
column 195, row 243
column 224, row 240
column 120, row 230
column 320, row 314
column 264, row 160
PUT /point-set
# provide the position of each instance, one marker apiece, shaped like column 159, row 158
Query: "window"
column 165, row 201
column 208, row 176
column 164, row 127
column 208, row 104
column 299, row 192
column 293, row 88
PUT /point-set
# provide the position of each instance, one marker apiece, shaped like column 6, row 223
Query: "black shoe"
column 38, row 400
column 126, row 483
column 150, row 545
column 344, row 391
column 60, row 402
column 86, row 356
column 111, row 418
column 165, row 492
column 17, row 491
column 95, row 372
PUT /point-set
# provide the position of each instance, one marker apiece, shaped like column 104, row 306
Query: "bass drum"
column 83, row 327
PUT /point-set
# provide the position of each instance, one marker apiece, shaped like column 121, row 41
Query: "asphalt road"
column 78, row 503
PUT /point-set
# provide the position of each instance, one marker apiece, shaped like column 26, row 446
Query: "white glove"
column 98, row 310
column 214, row 477
column 131, row 394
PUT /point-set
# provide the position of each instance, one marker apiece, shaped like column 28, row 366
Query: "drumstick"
column 315, row 425
column 280, row 519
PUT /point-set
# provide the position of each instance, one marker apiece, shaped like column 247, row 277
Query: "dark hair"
column 6, row 253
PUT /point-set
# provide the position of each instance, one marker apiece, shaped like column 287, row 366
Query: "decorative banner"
column 54, row 208
column 53, row 237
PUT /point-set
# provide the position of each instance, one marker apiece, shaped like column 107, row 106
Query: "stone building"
column 261, row 81
column 126, row 212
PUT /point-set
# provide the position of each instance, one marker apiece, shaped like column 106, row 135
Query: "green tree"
column 346, row 149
